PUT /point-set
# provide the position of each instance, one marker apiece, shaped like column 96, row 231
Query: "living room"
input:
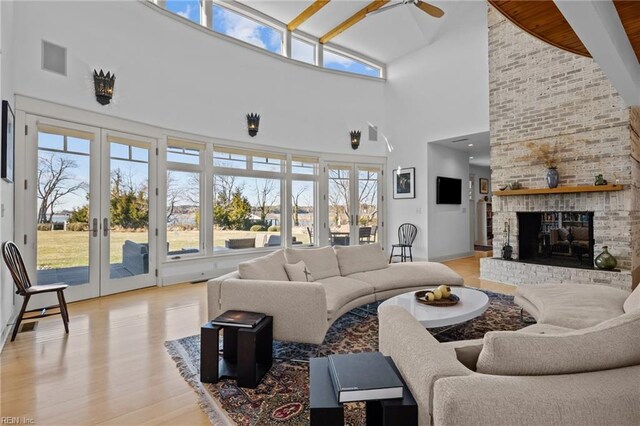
column 218, row 156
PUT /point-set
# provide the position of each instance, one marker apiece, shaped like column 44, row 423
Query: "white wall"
column 448, row 231
column 183, row 78
column 438, row 92
column 6, row 189
column 480, row 172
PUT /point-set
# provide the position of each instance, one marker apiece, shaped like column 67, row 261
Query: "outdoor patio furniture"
column 364, row 235
column 135, row 257
column 13, row 259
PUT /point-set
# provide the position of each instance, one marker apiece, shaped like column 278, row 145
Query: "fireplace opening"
column 556, row 238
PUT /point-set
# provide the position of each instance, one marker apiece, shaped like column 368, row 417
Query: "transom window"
column 336, row 61
column 236, row 25
column 245, row 24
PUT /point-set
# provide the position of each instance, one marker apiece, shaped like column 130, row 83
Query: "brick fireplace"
column 541, row 94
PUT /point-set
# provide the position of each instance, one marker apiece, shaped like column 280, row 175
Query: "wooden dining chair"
column 13, row 259
column 406, row 235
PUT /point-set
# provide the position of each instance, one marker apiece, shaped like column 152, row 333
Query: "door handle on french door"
column 95, row 227
column 105, row 227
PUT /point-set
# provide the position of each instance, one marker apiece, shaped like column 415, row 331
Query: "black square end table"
column 247, row 353
column 327, row 411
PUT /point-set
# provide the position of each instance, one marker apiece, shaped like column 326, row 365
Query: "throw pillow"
column 322, row 262
column 270, row 267
column 611, row 344
column 298, row 272
column 363, row 258
column 563, row 233
column 633, row 301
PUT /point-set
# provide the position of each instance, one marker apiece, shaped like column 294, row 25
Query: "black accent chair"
column 406, row 235
column 13, row 259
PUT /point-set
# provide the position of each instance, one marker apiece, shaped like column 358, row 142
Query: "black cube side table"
column 247, row 353
column 327, row 411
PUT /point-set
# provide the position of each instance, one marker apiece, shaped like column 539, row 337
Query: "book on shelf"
column 363, row 376
column 242, row 319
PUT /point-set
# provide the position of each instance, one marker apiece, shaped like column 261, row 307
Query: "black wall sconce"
column 355, row 139
column 104, row 86
column 253, row 123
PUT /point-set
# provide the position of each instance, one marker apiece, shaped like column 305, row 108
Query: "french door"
column 354, row 199
column 88, row 197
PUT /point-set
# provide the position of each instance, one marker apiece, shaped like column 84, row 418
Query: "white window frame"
column 252, row 15
column 199, row 168
column 341, row 51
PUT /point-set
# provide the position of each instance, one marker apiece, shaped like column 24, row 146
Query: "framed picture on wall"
column 404, row 183
column 484, row 186
column 8, row 142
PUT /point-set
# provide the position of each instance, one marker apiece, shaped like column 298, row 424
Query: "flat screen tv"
column 448, row 190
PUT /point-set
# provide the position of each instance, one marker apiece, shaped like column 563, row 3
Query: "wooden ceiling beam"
column 306, row 14
column 357, row 17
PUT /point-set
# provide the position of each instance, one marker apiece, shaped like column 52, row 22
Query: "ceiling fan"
column 427, row 8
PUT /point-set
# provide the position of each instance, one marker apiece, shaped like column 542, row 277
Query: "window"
column 247, row 211
column 304, row 187
column 249, row 27
column 233, row 24
column 183, row 204
column 303, row 51
column 189, row 9
column 336, row 61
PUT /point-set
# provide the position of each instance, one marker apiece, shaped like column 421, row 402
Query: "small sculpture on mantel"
column 600, row 180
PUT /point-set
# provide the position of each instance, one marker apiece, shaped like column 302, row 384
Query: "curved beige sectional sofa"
column 579, row 365
column 343, row 278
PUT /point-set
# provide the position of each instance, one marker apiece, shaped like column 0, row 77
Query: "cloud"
column 302, row 51
column 186, row 12
column 245, row 29
column 331, row 58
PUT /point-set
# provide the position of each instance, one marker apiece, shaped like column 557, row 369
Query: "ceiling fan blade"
column 430, row 9
column 382, row 9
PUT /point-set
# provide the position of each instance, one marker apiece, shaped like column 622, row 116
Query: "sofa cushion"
column 612, row 344
column 270, row 267
column 298, row 272
column 409, row 274
column 632, row 303
column 362, row 258
column 342, row 290
column 322, row 262
column 574, row 305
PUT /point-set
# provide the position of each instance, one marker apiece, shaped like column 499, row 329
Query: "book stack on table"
column 369, row 377
column 362, row 377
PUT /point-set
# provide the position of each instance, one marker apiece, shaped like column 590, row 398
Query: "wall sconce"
column 355, row 139
column 104, row 86
column 253, row 123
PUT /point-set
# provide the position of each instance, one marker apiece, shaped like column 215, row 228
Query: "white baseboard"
column 452, row 257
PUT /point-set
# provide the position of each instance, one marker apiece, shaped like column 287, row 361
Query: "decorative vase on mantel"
column 553, row 177
column 606, row 260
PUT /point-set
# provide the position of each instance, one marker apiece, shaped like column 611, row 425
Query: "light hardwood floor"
column 112, row 368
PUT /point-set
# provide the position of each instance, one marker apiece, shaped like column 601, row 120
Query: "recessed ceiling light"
column 470, row 158
column 470, row 144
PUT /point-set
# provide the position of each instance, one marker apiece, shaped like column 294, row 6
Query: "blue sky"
column 235, row 25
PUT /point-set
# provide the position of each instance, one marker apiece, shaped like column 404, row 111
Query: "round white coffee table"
column 472, row 304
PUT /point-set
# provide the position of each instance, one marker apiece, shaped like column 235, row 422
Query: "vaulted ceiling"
column 543, row 20
column 382, row 36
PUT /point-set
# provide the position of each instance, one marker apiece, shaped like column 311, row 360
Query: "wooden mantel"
column 559, row 190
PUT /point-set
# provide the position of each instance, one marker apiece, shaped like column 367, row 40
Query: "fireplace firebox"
column 556, row 238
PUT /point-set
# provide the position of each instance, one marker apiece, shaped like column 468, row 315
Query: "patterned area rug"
column 283, row 396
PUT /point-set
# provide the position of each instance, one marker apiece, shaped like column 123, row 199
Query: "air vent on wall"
column 373, row 133
column 54, row 58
